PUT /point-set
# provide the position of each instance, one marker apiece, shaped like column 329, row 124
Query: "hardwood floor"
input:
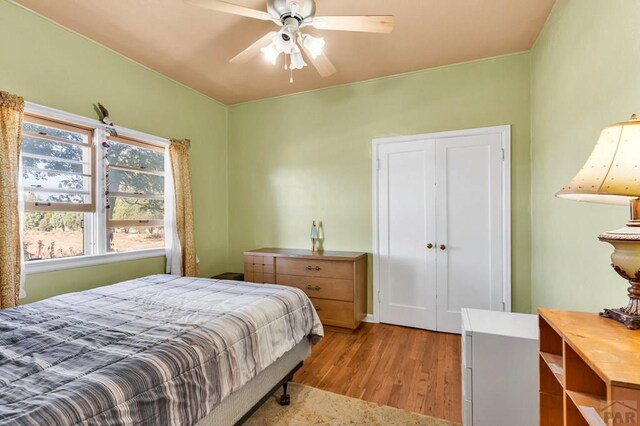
column 407, row 368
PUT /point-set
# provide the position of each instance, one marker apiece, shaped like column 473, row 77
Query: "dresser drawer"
column 334, row 312
column 259, row 269
column 266, row 261
column 315, row 268
column 321, row 288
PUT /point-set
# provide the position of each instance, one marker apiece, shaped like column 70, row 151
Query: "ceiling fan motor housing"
column 283, row 9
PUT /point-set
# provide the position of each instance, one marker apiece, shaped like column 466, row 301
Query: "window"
column 57, row 180
column 89, row 197
column 135, row 193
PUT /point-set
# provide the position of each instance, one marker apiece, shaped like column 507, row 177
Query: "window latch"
column 42, row 204
column 143, row 221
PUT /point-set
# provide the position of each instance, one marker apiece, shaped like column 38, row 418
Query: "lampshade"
column 283, row 41
column 271, row 53
column 297, row 61
column 314, row 45
column 611, row 175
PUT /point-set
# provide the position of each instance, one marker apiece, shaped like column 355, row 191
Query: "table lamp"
column 611, row 175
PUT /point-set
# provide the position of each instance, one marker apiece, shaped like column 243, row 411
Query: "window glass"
column 135, row 195
column 57, row 166
column 124, row 154
column 43, row 180
column 51, row 198
column 135, row 238
column 50, row 129
column 37, row 163
column 49, row 149
column 49, row 235
column 133, row 182
column 128, row 208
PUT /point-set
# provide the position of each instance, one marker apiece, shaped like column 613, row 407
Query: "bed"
column 155, row 350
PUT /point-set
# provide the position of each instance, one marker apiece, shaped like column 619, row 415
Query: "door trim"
column 505, row 132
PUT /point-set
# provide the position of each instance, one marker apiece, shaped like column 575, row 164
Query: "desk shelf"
column 589, row 370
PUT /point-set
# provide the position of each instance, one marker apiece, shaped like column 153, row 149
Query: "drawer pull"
column 310, row 287
column 311, row 268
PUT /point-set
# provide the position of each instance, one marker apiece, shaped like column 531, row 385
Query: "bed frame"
column 284, row 399
column 236, row 408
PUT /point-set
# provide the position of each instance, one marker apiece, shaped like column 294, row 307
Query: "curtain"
column 181, row 171
column 11, row 114
column 173, row 250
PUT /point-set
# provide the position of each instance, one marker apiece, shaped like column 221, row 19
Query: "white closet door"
column 469, row 226
column 407, row 223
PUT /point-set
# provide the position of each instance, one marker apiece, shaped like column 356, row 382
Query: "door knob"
column 429, row 245
column 443, row 247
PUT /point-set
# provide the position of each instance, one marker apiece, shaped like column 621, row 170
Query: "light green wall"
column 585, row 75
column 308, row 156
column 51, row 66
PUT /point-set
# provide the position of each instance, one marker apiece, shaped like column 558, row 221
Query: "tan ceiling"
column 194, row 46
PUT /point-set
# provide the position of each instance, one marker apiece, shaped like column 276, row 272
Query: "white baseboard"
column 369, row 318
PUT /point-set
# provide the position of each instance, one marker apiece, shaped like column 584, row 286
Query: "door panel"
column 407, row 224
column 469, row 226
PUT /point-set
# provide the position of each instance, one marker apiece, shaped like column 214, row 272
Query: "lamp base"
column 625, row 260
column 631, row 321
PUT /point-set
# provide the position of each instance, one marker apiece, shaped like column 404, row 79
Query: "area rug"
column 311, row 406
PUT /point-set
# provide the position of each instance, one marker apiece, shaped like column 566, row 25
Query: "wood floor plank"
column 415, row 370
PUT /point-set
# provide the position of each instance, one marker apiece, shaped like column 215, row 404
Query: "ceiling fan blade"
column 234, row 9
column 250, row 52
column 368, row 24
column 321, row 62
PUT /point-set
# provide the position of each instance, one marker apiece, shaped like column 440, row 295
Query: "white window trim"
column 91, row 259
column 49, row 265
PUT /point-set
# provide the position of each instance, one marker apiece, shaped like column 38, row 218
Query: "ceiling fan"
column 292, row 16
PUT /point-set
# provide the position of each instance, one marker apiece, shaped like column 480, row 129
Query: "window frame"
column 89, row 207
column 118, row 223
column 95, row 229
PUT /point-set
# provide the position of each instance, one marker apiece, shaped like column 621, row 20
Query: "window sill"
column 49, row 265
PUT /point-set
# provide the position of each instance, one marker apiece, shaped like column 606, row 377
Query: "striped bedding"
column 151, row 351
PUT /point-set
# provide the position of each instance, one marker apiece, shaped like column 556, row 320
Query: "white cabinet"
column 499, row 368
column 441, row 227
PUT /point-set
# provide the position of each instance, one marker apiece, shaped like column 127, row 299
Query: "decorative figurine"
column 103, row 113
column 320, row 240
column 314, row 236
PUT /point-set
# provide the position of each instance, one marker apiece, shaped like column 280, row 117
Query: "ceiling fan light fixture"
column 291, row 16
column 271, row 53
column 283, row 41
column 297, row 61
column 314, row 45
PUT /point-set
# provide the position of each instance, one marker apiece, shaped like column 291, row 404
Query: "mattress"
column 155, row 350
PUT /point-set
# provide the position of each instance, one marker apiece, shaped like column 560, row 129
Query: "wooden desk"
column 589, row 370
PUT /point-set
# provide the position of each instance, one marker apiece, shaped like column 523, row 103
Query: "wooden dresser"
column 589, row 370
column 335, row 281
